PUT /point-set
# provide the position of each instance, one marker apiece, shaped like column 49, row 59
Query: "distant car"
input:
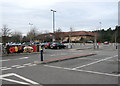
column 106, row 42
column 57, row 46
column 47, row 45
column 42, row 45
column 89, row 41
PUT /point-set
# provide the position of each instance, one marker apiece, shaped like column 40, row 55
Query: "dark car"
column 57, row 45
column 42, row 45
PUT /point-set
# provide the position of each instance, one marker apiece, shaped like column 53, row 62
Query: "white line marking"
column 93, row 72
column 14, row 59
column 98, row 73
column 6, row 69
column 19, row 82
column 15, row 66
column 94, row 59
column 13, row 74
column 27, row 64
column 32, row 65
column 24, row 58
column 28, row 80
column 4, row 60
column 52, row 66
column 6, row 75
column 20, row 66
column 95, row 62
column 2, row 67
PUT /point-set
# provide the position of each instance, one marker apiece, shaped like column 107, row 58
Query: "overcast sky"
column 78, row 14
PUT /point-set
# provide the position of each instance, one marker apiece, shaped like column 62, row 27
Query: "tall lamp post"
column 29, row 30
column 116, row 32
column 100, row 24
column 53, row 24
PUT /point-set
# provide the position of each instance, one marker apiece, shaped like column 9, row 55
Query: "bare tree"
column 16, row 37
column 6, row 31
column 46, row 32
column 59, row 34
column 32, row 34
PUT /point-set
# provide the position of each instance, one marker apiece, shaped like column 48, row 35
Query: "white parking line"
column 32, row 65
column 96, row 59
column 15, row 65
column 27, row 64
column 20, row 66
column 93, row 72
column 95, row 62
column 24, row 58
column 28, row 80
column 2, row 67
column 3, row 77
column 14, row 59
column 4, row 60
column 10, row 80
column 6, row 69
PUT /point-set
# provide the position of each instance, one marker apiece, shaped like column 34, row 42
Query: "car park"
column 57, row 46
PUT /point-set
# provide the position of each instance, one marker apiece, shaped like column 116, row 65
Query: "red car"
column 47, row 45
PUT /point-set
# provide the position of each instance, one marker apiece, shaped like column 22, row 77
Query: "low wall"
column 19, row 49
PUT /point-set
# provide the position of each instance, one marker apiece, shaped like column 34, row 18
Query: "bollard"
column 116, row 47
column 97, row 46
column 71, row 46
column 41, row 54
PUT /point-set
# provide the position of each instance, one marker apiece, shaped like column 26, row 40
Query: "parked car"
column 57, row 46
column 106, row 42
column 42, row 45
column 47, row 45
column 89, row 41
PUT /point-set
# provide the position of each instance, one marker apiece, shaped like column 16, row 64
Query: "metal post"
column 53, row 24
column 116, row 38
column 30, row 29
column 95, row 41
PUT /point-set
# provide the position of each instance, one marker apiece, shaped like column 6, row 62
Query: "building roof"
column 74, row 33
column 79, row 33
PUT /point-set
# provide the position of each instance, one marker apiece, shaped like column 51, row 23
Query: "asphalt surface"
column 101, row 68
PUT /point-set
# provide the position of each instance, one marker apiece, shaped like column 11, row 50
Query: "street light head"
column 30, row 24
column 53, row 10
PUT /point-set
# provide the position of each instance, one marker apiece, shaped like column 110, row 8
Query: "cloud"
column 81, row 15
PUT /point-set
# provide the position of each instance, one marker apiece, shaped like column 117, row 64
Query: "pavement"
column 101, row 68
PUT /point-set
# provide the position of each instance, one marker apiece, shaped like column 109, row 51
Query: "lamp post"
column 29, row 30
column 53, row 24
column 116, row 32
column 100, row 24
